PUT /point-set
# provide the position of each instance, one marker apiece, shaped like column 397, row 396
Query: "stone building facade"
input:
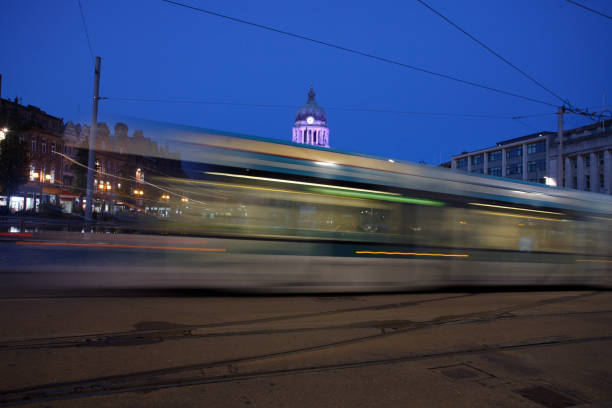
column 586, row 155
column 43, row 136
column 587, row 158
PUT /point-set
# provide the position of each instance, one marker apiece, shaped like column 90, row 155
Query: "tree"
column 13, row 162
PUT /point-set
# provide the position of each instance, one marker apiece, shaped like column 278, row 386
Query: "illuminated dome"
column 311, row 109
column 310, row 125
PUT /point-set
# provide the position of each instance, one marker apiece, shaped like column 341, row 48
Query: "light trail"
column 303, row 183
column 516, row 208
column 520, row 216
column 16, row 234
column 377, row 196
column 276, row 190
column 126, row 246
column 131, row 179
column 411, row 254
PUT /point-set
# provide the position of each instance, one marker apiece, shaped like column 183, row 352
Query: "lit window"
column 140, row 175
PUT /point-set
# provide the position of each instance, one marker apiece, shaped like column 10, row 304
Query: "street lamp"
column 549, row 181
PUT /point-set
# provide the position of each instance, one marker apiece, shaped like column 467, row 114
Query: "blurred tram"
column 321, row 220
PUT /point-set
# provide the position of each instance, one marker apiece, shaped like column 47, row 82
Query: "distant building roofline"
column 526, row 137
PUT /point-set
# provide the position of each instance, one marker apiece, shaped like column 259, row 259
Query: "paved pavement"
column 160, row 349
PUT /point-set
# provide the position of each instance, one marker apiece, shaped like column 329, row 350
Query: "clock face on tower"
column 310, row 120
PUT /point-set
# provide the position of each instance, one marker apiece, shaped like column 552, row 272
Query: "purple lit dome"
column 311, row 109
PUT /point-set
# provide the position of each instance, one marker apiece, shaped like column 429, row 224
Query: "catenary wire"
column 372, row 110
column 357, row 52
column 93, row 60
column 449, row 21
column 589, row 9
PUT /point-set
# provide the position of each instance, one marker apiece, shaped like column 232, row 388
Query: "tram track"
column 151, row 381
column 33, row 342
column 196, row 373
column 155, row 336
column 179, row 332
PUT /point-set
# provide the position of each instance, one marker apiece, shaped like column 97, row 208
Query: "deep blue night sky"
column 154, row 50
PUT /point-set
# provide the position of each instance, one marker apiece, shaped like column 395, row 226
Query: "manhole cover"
column 546, row 397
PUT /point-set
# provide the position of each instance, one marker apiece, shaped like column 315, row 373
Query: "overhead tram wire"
column 371, row 110
column 589, row 9
column 532, row 79
column 357, row 52
column 569, row 108
column 93, row 60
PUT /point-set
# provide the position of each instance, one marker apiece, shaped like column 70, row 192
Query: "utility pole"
column 92, row 141
column 560, row 113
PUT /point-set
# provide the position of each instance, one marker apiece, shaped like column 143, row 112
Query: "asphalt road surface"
column 190, row 348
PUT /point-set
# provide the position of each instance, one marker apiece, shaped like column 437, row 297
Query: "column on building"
column 524, row 148
column 503, row 151
column 469, row 163
column 580, row 173
column 594, row 172
column 548, row 172
column 569, row 173
column 607, row 172
column 454, row 164
column 485, row 163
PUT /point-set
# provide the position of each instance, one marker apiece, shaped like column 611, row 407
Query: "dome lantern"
column 310, row 125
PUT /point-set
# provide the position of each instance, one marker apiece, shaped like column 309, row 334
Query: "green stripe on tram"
column 375, row 196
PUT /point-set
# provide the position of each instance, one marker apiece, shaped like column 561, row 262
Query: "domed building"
column 311, row 124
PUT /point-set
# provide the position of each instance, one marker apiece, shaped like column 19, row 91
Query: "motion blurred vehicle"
column 352, row 221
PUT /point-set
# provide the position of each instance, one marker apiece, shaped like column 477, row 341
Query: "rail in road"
column 512, row 348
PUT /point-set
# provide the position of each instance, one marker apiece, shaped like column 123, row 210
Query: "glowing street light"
column 549, row 181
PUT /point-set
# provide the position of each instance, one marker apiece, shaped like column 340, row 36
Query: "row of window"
column 516, row 168
column 511, row 153
column 43, row 146
column 42, row 175
column 587, row 159
column 587, row 179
